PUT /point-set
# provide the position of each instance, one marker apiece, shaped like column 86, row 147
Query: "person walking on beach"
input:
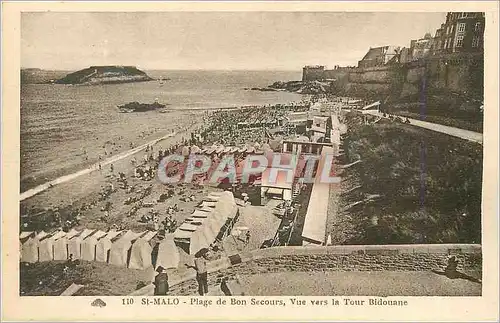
column 247, row 237
column 161, row 281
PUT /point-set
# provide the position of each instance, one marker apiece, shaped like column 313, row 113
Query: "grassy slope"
column 430, row 185
column 47, row 279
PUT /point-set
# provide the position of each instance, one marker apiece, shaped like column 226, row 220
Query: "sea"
column 66, row 127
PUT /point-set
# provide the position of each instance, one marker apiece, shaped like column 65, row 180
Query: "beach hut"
column 203, row 228
column 60, row 246
column 104, row 245
column 200, row 214
column 140, row 256
column 206, row 204
column 88, row 246
column 119, row 252
column 75, row 243
column 168, row 254
column 46, row 246
column 28, row 250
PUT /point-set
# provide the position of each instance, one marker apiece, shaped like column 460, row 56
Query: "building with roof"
column 379, row 56
column 421, row 48
column 461, row 32
column 314, row 229
column 279, row 188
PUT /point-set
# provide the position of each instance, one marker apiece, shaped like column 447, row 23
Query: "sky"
column 213, row 40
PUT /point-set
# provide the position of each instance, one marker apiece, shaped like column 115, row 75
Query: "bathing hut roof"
column 149, row 235
column 26, row 234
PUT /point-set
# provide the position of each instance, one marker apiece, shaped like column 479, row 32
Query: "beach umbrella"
column 185, row 151
column 195, row 149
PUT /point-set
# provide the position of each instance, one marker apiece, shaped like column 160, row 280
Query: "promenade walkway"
column 452, row 131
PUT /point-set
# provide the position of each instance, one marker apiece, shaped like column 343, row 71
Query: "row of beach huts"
column 119, row 248
column 210, row 221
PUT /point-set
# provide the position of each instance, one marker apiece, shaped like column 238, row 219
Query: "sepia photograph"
column 255, row 153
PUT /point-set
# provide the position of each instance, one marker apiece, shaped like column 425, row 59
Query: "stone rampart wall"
column 337, row 258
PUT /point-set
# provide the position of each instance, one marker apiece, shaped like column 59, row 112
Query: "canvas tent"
column 140, row 256
column 118, row 254
column 104, row 245
column 88, row 246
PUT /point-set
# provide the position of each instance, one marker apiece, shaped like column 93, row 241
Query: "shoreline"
column 95, row 166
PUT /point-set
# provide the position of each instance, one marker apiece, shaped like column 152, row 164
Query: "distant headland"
column 94, row 75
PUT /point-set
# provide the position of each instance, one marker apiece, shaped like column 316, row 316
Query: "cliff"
column 105, row 75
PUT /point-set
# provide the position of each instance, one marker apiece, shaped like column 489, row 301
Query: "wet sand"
column 84, row 185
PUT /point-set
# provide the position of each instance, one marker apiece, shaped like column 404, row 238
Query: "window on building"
column 475, row 41
column 445, row 44
column 477, row 27
column 461, row 27
column 460, row 41
column 463, row 15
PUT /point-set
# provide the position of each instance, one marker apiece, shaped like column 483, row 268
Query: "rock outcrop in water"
column 307, row 87
column 140, row 107
column 105, row 75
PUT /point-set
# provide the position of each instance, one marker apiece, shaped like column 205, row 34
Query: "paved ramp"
column 452, row 131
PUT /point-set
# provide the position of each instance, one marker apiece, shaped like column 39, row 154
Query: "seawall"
column 459, row 73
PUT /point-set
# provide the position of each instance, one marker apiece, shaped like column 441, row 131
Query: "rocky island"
column 95, row 75
column 140, row 107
